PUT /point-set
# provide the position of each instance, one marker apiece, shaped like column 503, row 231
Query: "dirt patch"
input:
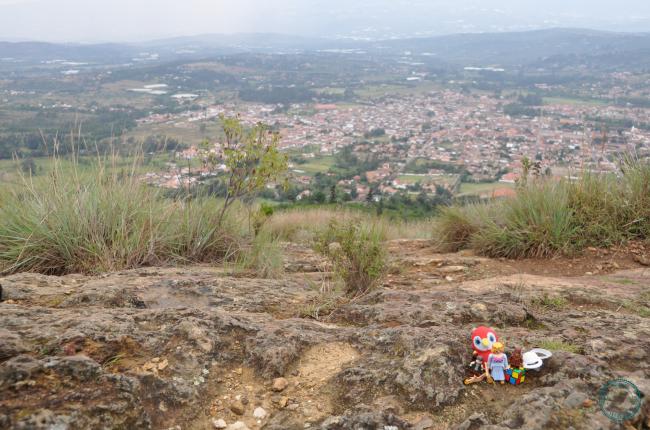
column 321, row 362
column 420, row 263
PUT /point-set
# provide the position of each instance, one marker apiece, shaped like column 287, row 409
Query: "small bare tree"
column 252, row 160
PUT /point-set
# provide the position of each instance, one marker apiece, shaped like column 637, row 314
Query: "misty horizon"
column 76, row 21
column 324, row 38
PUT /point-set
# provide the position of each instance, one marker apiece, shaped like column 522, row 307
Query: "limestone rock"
column 451, row 269
column 259, row 413
column 239, row 425
column 280, row 384
column 475, row 421
column 219, row 424
column 237, row 407
column 73, row 348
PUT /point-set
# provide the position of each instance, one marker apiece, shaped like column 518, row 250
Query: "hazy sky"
column 129, row 20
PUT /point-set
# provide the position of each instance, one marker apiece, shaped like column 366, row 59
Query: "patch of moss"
column 113, row 360
column 533, row 323
column 549, row 302
column 559, row 345
column 321, row 307
column 623, row 281
column 638, row 306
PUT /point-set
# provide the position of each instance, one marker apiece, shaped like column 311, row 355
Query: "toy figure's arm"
column 487, row 374
column 474, row 355
column 507, row 365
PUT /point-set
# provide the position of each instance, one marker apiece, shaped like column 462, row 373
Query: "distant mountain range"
column 43, row 51
column 477, row 49
column 523, row 47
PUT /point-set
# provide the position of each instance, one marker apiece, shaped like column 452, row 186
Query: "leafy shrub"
column 357, row 252
column 252, row 157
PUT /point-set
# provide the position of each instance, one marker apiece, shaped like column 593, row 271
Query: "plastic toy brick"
column 515, row 376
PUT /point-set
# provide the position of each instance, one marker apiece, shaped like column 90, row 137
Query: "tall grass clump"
column 264, row 255
column 612, row 209
column 199, row 237
column 548, row 217
column 300, row 225
column 101, row 220
column 636, row 192
column 599, row 209
column 357, row 253
column 456, row 225
column 537, row 223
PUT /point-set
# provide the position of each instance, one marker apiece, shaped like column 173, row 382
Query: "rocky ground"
column 201, row 348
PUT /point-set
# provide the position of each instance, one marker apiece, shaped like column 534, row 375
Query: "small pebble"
column 259, row 413
column 237, row 407
column 279, row 384
column 219, row 423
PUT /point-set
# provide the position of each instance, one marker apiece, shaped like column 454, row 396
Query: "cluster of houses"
column 470, row 131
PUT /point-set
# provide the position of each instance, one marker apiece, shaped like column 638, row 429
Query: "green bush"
column 357, row 253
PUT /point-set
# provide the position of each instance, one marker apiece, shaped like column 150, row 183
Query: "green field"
column 480, row 188
column 11, row 170
column 188, row 133
column 413, row 178
column 316, row 165
column 573, row 101
column 331, row 90
column 380, row 90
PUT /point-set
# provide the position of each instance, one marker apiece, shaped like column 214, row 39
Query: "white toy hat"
column 534, row 359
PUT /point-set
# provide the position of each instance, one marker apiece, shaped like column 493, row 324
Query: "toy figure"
column 515, row 376
column 534, row 359
column 482, row 340
column 516, row 359
column 477, row 365
column 497, row 363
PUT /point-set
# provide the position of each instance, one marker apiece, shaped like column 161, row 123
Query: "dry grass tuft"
column 303, row 225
